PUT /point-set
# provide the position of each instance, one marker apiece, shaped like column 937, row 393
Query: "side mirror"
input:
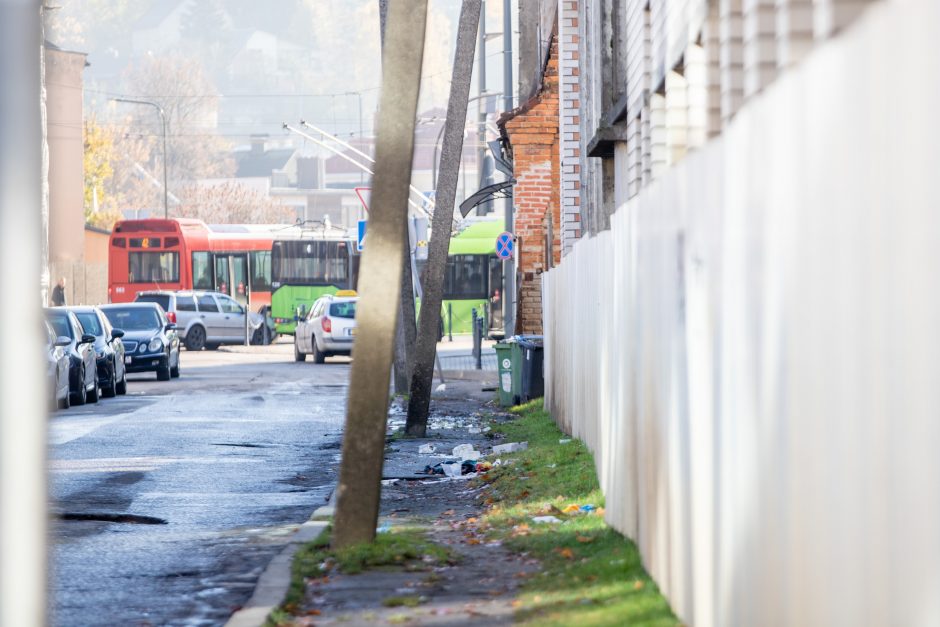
column 63, row 340
column 87, row 339
column 116, row 333
column 170, row 327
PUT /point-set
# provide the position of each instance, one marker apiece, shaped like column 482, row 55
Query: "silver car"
column 205, row 319
column 329, row 329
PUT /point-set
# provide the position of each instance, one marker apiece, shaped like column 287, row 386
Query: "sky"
column 339, row 71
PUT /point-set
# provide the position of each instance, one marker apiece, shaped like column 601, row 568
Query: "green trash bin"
column 504, row 363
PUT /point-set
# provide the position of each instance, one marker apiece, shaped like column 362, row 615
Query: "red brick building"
column 532, row 132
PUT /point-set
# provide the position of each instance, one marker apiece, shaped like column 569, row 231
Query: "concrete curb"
column 275, row 580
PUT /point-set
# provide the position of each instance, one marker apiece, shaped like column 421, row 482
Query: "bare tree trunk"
column 360, row 470
column 406, row 329
column 430, row 319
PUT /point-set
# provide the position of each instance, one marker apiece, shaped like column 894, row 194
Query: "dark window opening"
column 154, row 267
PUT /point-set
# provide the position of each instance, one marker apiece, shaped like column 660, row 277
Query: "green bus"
column 306, row 265
column 473, row 279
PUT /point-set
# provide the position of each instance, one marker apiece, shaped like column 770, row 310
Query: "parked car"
column 109, row 349
column 329, row 329
column 57, row 366
column 151, row 342
column 83, row 369
column 206, row 319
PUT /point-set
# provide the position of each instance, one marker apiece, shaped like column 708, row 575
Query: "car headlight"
column 155, row 345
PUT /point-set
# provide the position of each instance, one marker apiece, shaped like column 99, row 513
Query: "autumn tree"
column 182, row 88
column 231, row 203
column 100, row 199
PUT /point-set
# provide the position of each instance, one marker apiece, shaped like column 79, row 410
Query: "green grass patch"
column 402, row 601
column 591, row 574
column 401, row 547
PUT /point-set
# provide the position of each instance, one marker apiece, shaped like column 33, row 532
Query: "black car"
column 83, row 369
column 150, row 340
column 57, row 367
column 109, row 349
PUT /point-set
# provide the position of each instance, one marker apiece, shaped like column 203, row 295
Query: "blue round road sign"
column 504, row 245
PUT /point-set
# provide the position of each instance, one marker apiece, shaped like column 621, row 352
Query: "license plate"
column 128, row 360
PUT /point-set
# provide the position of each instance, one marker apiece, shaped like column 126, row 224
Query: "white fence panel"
column 751, row 349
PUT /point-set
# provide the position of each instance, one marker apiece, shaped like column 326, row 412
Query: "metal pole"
column 481, row 111
column 166, row 190
column 23, row 492
column 509, row 265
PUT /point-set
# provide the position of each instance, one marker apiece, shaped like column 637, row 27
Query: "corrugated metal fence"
column 752, row 349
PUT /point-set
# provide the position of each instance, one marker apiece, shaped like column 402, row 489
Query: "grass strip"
column 401, row 547
column 591, row 575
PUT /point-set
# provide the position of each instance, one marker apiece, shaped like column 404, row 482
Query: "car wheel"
column 298, row 356
column 95, row 394
column 163, row 371
column 318, row 355
column 122, row 384
column 175, row 371
column 212, row 347
column 81, row 397
column 111, row 390
column 196, row 338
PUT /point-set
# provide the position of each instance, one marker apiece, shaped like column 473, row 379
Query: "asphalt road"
column 169, row 502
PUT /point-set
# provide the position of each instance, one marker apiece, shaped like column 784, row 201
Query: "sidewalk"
column 477, row 589
column 456, row 357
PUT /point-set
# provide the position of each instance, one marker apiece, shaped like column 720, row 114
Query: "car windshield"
column 90, row 323
column 60, row 324
column 343, row 310
column 133, row 318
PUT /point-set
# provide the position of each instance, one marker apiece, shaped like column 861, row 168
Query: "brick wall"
column 533, row 132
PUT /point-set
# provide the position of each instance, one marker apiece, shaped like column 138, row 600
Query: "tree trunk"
column 452, row 149
column 405, row 331
column 360, row 470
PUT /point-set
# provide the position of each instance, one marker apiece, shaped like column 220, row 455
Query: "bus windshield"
column 307, row 262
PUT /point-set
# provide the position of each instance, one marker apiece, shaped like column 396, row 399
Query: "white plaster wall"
column 751, row 350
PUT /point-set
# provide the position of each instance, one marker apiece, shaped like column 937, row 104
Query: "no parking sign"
column 504, row 245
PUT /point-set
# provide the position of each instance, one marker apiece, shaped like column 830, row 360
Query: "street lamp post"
column 166, row 212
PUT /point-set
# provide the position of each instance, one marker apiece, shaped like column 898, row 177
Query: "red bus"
column 187, row 254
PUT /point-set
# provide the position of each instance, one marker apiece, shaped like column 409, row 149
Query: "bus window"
column 465, row 277
column 307, row 262
column 261, row 271
column 153, row 267
column 202, row 279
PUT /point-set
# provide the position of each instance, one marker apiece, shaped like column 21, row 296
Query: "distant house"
column 158, row 30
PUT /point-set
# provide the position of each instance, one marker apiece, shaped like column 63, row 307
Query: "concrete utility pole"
column 406, row 330
column 360, row 470
column 166, row 190
column 509, row 265
column 23, row 492
column 430, row 318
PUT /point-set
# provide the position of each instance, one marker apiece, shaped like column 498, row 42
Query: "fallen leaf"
column 471, row 521
column 449, row 512
column 313, row 612
column 637, row 585
column 566, row 553
column 584, row 539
